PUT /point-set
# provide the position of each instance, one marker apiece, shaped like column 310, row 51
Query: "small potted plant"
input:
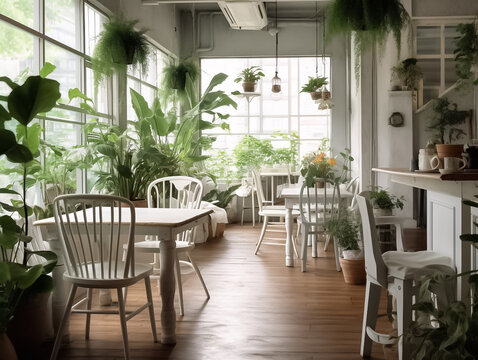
column 408, row 73
column 249, row 77
column 313, row 86
column 317, row 166
column 384, row 202
column 346, row 232
column 119, row 45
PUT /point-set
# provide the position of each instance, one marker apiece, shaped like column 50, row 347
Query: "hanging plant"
column 120, row 45
column 313, row 85
column 466, row 52
column 174, row 75
column 371, row 21
column 408, row 73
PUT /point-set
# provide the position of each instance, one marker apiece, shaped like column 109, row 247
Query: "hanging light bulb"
column 276, row 81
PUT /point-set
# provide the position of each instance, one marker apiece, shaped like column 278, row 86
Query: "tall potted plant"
column 249, row 77
column 19, row 279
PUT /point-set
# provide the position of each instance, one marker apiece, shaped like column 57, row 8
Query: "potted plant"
column 346, row 232
column 249, row 77
column 384, row 202
column 317, row 166
column 118, row 46
column 408, row 74
column 466, row 52
column 450, row 331
column 174, row 75
column 313, row 85
column 20, row 281
column 369, row 21
column 252, row 153
column 223, row 200
column 445, row 124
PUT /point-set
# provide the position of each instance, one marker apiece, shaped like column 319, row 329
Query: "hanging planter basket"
column 325, row 95
column 316, row 95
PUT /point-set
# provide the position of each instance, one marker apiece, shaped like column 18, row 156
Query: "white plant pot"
column 352, row 254
column 382, row 212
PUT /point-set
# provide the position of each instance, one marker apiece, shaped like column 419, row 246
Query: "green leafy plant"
column 447, row 117
column 221, row 165
column 408, row 73
column 18, row 278
column 466, row 52
column 250, row 74
column 382, row 199
column 318, row 164
column 221, row 198
column 451, row 331
column 345, row 231
column 314, row 84
column 174, row 75
column 370, row 21
column 119, row 45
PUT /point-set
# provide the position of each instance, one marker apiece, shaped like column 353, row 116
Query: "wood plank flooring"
column 259, row 309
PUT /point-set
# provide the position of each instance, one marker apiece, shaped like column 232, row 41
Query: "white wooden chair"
column 269, row 211
column 93, row 258
column 315, row 208
column 399, row 274
column 175, row 192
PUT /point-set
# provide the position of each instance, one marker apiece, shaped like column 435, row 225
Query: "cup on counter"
column 450, row 164
column 424, row 158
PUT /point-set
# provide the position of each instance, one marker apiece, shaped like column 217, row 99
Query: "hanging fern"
column 371, row 21
column 174, row 78
column 120, row 45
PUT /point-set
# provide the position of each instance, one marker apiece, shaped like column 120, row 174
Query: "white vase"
column 382, row 212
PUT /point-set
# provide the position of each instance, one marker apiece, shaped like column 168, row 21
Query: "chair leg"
column 294, row 245
column 303, row 248
column 327, row 241
column 64, row 320
column 88, row 315
column 263, row 232
column 299, row 225
column 242, row 213
column 337, row 255
column 149, row 296
column 314, row 243
column 404, row 317
column 180, row 286
column 370, row 310
column 124, row 330
column 198, row 273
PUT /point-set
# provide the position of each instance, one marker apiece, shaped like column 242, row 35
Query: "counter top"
column 459, row 176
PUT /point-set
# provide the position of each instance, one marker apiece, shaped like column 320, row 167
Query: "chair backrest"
column 353, row 186
column 183, row 192
column 256, row 176
column 374, row 264
column 90, row 228
column 316, row 204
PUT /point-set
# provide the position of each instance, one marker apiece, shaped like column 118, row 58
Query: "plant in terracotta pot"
column 408, row 74
column 345, row 232
column 249, row 77
column 118, row 46
column 313, row 87
column 384, row 202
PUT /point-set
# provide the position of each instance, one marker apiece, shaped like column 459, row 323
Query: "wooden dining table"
column 291, row 196
column 166, row 224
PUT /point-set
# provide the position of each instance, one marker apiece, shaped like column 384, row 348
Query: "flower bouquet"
column 317, row 167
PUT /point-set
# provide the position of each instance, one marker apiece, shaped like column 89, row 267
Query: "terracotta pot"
column 249, row 86
column 320, row 184
column 449, row 150
column 353, row 271
column 7, row 350
column 316, row 95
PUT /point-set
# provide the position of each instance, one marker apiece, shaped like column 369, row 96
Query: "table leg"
column 289, row 227
column 272, row 190
column 167, row 289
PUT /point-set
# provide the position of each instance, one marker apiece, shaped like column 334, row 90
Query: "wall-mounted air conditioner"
column 244, row 15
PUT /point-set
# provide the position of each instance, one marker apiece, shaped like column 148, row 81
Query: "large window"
column 262, row 116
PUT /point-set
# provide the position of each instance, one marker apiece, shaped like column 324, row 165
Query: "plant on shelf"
column 19, row 276
column 249, row 77
column 446, row 121
column 450, row 331
column 466, row 52
column 318, row 165
column 408, row 74
column 118, row 46
column 384, row 202
column 313, row 87
column 369, row 21
column 221, row 198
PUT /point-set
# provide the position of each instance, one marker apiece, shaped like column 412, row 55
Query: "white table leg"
column 167, row 289
column 289, row 227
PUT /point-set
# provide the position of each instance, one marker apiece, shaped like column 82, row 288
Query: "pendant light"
column 276, row 88
column 325, row 101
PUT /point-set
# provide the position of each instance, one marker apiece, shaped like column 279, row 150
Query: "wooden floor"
column 259, row 309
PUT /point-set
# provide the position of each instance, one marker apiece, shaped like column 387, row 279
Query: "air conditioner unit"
column 244, row 15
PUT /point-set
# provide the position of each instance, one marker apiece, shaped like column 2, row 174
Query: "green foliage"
column 382, row 199
column 447, row 117
column 409, row 73
column 174, row 75
column 345, row 231
column 250, row 74
column 370, row 21
column 221, row 198
column 220, row 165
column 314, row 84
column 466, row 52
column 120, row 45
